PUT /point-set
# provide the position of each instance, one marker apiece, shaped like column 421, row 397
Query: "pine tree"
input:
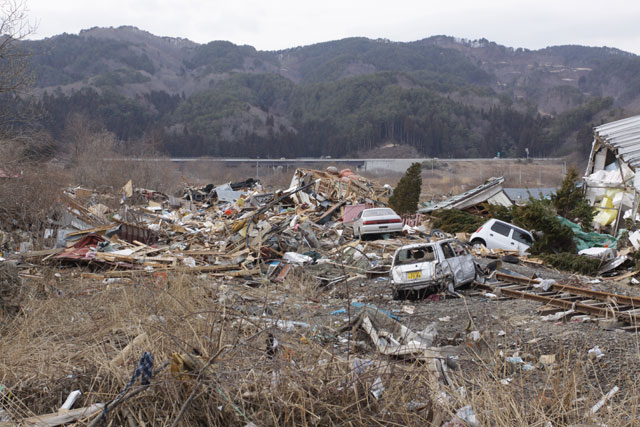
column 571, row 203
column 404, row 199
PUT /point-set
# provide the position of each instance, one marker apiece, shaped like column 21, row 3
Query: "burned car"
column 431, row 267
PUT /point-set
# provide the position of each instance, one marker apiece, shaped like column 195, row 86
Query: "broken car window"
column 458, row 249
column 412, row 256
column 448, row 252
column 522, row 237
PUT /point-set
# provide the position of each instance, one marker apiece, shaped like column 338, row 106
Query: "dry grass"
column 69, row 339
column 449, row 178
column 11, row 290
column 457, row 177
column 28, row 202
column 72, row 338
column 562, row 394
column 102, row 162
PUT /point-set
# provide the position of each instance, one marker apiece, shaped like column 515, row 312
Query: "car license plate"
column 414, row 275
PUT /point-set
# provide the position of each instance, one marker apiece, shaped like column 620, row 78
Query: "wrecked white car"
column 496, row 234
column 431, row 267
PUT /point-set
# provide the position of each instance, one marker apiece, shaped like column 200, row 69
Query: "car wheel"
column 438, row 234
column 478, row 243
column 398, row 295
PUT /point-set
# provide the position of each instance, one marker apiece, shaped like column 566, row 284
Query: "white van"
column 496, row 234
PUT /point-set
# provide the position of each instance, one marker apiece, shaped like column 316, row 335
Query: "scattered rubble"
column 263, row 303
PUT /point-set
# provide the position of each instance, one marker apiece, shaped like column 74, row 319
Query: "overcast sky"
column 279, row 24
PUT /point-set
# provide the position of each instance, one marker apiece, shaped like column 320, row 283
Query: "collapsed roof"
column 491, row 192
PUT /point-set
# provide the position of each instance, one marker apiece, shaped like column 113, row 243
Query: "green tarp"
column 586, row 240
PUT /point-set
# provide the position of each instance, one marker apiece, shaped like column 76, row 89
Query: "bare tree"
column 15, row 78
column 14, row 27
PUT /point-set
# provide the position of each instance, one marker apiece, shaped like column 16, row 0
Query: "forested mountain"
column 446, row 97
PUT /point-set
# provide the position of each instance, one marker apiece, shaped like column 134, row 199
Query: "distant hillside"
column 443, row 96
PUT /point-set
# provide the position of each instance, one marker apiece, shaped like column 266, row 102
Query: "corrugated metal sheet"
column 489, row 189
column 523, row 194
column 624, row 137
column 82, row 250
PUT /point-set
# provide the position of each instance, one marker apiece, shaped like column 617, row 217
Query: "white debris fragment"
column 408, row 309
column 473, row 336
column 557, row 316
column 296, row 258
column 467, row 415
column 71, row 399
column 545, row 285
column 602, row 401
column 634, row 238
column 377, row 388
column 189, row 262
column 596, row 353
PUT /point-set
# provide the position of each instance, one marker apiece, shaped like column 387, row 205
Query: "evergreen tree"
column 571, row 203
column 404, row 199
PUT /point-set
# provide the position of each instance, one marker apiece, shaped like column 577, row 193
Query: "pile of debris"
column 235, row 229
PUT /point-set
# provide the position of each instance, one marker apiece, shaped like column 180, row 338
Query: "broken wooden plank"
column 40, row 254
column 197, row 269
column 124, row 354
column 625, row 276
column 330, row 211
column 238, row 273
column 59, row 418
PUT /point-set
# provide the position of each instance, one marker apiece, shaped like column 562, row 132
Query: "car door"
column 522, row 240
column 465, row 259
column 453, row 263
column 500, row 236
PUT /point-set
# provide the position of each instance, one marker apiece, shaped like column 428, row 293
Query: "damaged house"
column 474, row 200
column 611, row 182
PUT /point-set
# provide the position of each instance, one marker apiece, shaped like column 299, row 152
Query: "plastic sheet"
column 585, row 240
